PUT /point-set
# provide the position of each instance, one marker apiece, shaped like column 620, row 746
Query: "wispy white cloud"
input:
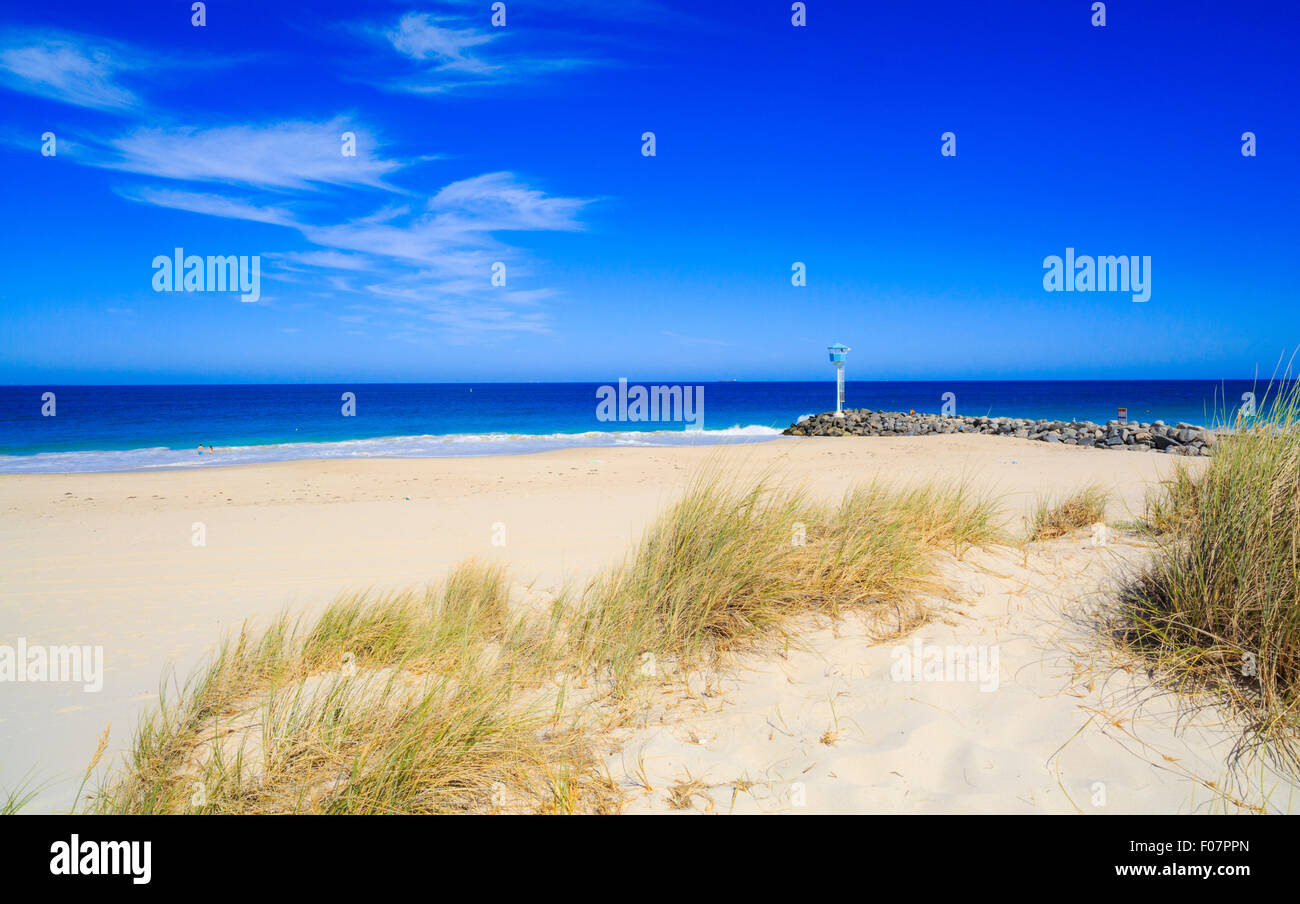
column 456, row 52
column 497, row 202
column 70, row 69
column 324, row 260
column 213, row 205
column 457, row 228
column 282, row 155
column 428, row 265
column 436, row 264
column 421, row 36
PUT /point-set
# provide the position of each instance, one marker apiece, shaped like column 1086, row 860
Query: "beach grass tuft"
column 1219, row 606
column 732, row 560
column 14, row 799
column 1172, row 506
column 411, row 703
column 1053, row 518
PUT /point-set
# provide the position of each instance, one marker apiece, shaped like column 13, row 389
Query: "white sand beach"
column 109, row 559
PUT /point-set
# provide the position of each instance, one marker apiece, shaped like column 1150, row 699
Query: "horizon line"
column 829, row 378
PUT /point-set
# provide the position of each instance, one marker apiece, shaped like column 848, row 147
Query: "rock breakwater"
column 1176, row 439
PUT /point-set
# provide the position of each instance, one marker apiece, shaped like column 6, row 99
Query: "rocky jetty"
column 1177, row 439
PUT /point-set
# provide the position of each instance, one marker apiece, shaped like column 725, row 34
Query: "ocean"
column 125, row 428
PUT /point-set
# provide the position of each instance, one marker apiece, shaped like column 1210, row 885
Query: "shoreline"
column 122, row 428
column 424, row 446
column 1182, row 438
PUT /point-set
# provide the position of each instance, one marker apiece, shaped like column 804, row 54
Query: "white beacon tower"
column 838, row 351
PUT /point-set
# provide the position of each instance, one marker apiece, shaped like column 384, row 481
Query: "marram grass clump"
column 412, row 703
column 1219, row 607
column 1053, row 518
column 731, row 561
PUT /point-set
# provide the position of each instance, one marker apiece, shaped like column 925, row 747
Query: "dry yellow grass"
column 730, row 562
column 1219, row 607
column 445, row 702
column 414, row 704
column 1051, row 518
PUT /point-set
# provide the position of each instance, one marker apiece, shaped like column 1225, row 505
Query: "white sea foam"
column 448, row 446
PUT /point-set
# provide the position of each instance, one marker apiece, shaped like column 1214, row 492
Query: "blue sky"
column 522, row 145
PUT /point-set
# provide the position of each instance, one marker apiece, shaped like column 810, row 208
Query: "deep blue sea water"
column 117, row 428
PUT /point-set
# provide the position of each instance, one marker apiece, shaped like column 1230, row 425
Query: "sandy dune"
column 108, row 559
column 838, row 727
